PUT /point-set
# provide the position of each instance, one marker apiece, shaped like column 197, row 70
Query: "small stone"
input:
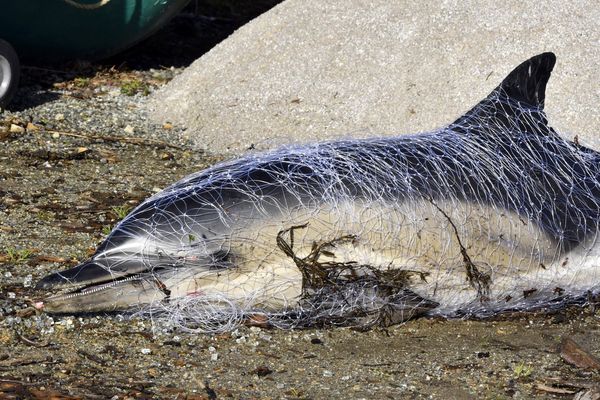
column 27, row 281
column 167, row 126
column 214, row 356
column 327, row 373
column 146, row 351
column 129, row 129
column 32, row 127
column 55, row 135
column 59, row 117
column 12, row 295
column 255, row 330
column 265, row 337
column 16, row 128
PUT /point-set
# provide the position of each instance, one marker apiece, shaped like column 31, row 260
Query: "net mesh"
column 493, row 212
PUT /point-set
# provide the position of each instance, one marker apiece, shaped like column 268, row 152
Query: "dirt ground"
column 60, row 192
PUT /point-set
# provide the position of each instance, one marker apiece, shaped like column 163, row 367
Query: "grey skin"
column 215, row 231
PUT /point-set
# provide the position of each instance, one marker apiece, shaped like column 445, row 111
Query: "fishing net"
column 493, row 212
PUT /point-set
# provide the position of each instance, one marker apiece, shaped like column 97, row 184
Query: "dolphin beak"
column 117, row 295
column 89, row 273
column 92, row 287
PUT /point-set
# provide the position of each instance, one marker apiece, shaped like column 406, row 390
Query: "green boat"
column 54, row 30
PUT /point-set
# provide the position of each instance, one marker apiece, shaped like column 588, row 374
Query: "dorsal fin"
column 527, row 82
column 520, row 95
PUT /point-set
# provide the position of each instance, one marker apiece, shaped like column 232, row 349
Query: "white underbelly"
column 523, row 264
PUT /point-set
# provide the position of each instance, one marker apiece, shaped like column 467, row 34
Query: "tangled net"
column 493, row 212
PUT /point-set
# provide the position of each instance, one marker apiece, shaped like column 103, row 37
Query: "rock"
column 16, row 128
column 310, row 70
column 574, row 354
column 32, row 127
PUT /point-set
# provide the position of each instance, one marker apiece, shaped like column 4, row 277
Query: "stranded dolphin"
column 493, row 212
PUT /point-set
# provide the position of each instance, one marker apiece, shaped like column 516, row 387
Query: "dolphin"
column 493, row 212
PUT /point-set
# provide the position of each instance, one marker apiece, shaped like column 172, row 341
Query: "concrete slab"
column 311, row 70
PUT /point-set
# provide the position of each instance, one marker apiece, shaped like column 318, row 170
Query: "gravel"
column 100, row 109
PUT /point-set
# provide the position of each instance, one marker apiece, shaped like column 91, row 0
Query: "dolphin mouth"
column 119, row 295
column 90, row 288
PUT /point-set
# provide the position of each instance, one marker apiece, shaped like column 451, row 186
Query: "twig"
column 477, row 279
column 91, row 357
column 554, row 390
column 22, row 362
column 31, row 342
column 119, row 139
column 18, row 382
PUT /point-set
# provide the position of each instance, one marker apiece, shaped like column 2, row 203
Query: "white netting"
column 493, row 212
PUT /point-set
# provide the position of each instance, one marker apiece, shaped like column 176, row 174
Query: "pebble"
column 27, row 282
column 16, row 128
column 214, row 356
column 241, row 340
column 129, row 129
column 146, row 351
column 59, row 117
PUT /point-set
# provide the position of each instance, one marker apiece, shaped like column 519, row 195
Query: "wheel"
column 9, row 72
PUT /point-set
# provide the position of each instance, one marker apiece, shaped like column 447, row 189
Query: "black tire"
column 10, row 72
